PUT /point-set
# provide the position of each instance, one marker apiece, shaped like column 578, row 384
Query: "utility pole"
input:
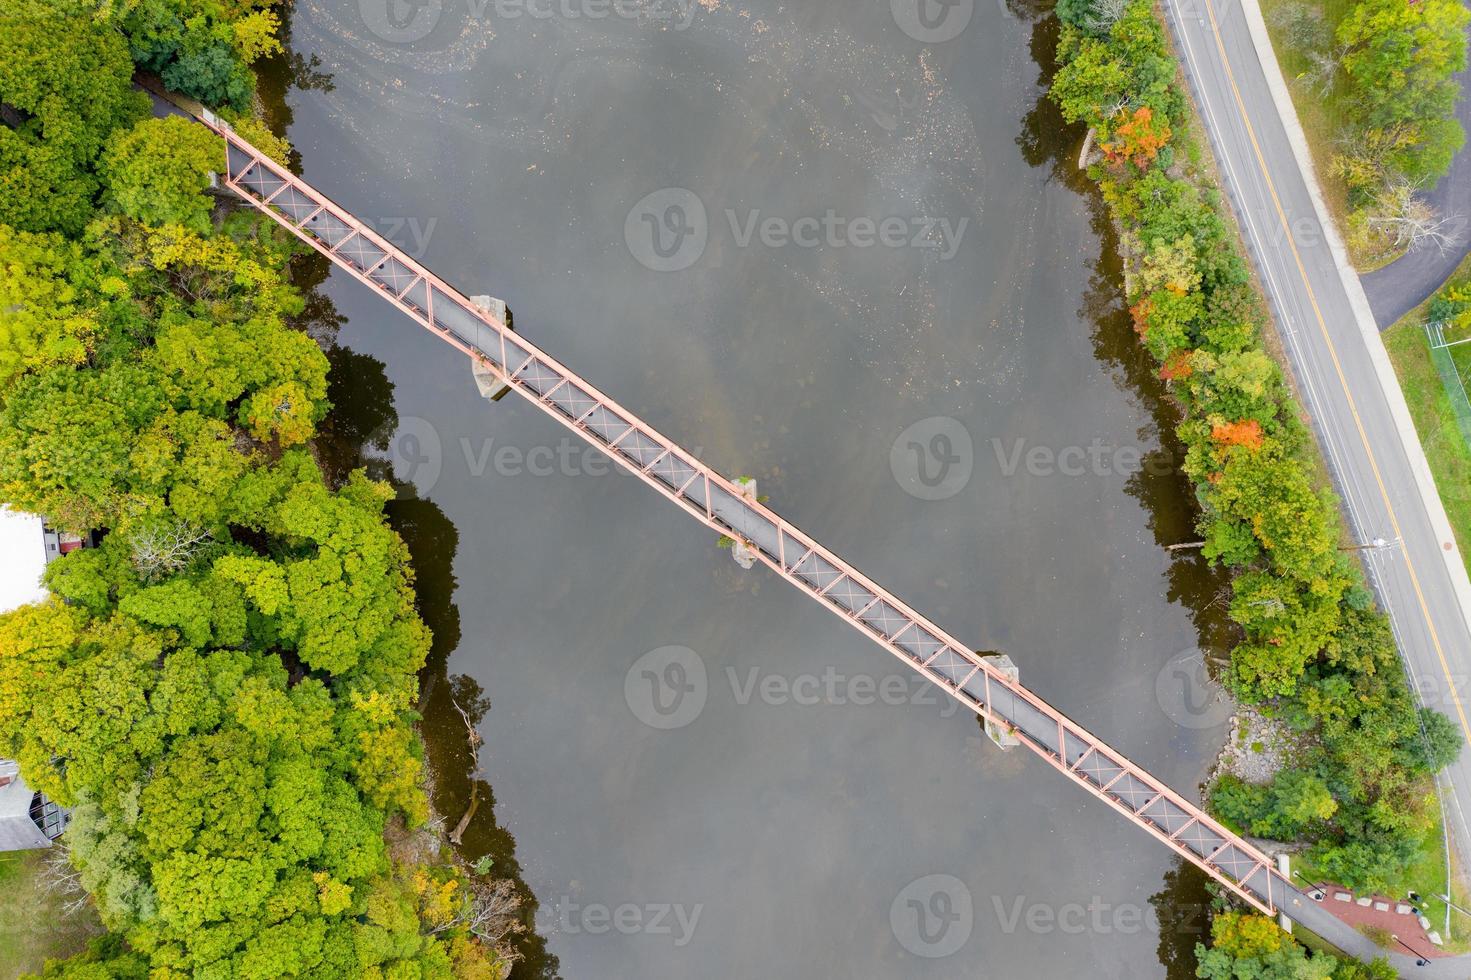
column 1374, row 545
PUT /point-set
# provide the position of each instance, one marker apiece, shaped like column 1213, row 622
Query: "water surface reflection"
column 802, row 822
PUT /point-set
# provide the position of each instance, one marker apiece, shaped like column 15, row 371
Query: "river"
column 877, row 287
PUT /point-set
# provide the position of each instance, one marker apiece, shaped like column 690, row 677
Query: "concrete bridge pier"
column 1284, row 865
column 492, row 384
column 743, row 553
column 1002, row 735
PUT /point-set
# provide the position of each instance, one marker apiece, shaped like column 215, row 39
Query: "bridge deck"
column 723, row 506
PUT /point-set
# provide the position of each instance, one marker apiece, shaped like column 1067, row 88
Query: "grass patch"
column 33, row 926
column 1426, row 876
column 1379, row 936
column 1435, row 421
column 1311, row 940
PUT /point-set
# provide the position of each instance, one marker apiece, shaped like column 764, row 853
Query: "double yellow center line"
column 1338, row 368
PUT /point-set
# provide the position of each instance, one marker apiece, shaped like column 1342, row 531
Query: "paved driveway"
column 1409, row 281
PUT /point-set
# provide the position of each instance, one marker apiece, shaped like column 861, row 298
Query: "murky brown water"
column 770, row 835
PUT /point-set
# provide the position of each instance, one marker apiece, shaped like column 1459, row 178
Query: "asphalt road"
column 1342, row 373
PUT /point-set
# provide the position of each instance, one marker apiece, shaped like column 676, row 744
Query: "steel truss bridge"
column 725, row 507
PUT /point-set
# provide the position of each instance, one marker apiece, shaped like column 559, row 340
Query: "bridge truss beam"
column 727, row 509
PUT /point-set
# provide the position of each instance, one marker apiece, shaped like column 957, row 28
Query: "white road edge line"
column 1306, row 355
column 1378, row 355
column 1389, row 385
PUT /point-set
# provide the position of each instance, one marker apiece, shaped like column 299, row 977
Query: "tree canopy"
column 158, row 170
column 224, row 689
column 65, row 84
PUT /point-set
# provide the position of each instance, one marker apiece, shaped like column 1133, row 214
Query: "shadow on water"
column 432, row 540
column 1182, row 906
column 1160, row 485
column 1183, row 909
column 283, row 71
column 358, row 429
column 354, row 435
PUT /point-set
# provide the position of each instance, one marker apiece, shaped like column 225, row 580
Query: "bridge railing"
column 730, row 510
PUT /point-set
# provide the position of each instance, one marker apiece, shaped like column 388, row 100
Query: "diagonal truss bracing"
column 725, row 507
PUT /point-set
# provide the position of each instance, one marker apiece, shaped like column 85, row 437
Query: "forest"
column 223, row 690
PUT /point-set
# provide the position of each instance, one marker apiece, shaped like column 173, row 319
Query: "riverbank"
column 1299, row 600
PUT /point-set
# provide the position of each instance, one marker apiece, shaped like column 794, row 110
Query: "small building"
column 28, row 820
column 27, row 546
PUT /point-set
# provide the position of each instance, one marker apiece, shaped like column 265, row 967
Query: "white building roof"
column 18, row 832
column 22, row 559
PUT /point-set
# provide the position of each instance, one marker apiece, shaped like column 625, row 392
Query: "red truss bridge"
column 985, row 687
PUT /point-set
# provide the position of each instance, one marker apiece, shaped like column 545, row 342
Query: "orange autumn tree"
column 1139, row 312
column 1139, row 139
column 1246, row 433
column 1177, row 366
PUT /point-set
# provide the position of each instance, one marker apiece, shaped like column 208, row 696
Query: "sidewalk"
column 1397, row 917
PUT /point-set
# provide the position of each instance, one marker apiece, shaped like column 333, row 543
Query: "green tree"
column 158, row 171
column 1368, row 861
column 1442, row 741
column 1401, row 59
column 193, row 51
column 34, row 642
column 1349, row 968
column 1251, row 947
column 46, row 314
column 1299, row 800
column 66, row 438
column 65, row 84
column 106, row 958
column 1087, row 15
column 345, row 601
column 255, row 373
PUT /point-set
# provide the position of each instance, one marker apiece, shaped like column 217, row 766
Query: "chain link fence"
column 1452, row 376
